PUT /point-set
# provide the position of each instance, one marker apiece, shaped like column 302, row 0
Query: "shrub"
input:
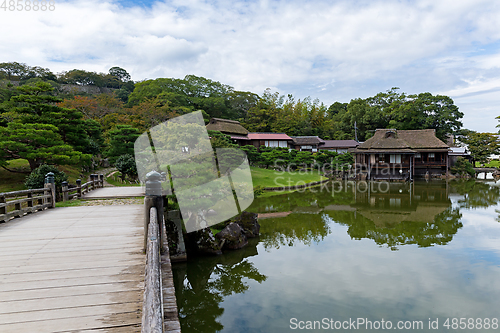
column 462, row 167
column 126, row 165
column 36, row 179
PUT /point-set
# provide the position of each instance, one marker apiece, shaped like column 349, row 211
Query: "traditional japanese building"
column 402, row 154
column 233, row 128
column 307, row 143
column 273, row 140
column 339, row 146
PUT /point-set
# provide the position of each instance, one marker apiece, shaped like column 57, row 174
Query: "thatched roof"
column 226, row 126
column 403, row 141
column 306, row 140
column 422, row 139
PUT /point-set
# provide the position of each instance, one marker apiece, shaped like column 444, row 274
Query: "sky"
column 326, row 49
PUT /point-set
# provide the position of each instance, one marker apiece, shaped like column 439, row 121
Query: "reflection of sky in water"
column 340, row 278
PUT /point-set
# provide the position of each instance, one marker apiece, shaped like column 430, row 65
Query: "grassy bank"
column 14, row 181
column 115, row 180
column 272, row 178
column 492, row 164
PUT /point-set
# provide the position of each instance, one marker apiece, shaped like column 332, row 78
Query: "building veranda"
column 401, row 155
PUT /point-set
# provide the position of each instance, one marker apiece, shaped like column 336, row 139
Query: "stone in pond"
column 205, row 242
column 232, row 237
column 249, row 222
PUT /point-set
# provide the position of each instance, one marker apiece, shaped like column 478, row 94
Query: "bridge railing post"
column 79, row 188
column 3, row 209
column 64, row 190
column 30, row 202
column 50, row 185
column 153, row 198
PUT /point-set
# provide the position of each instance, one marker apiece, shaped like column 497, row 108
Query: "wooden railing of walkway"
column 24, row 202
column 159, row 312
column 33, row 200
column 159, row 305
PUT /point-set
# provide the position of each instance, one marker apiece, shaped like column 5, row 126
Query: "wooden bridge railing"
column 28, row 201
column 33, row 200
column 152, row 309
column 96, row 181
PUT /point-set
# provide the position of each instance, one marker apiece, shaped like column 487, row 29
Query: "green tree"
column 220, row 140
column 127, row 167
column 253, row 154
column 37, row 143
column 34, row 105
column 480, row 145
column 119, row 73
column 36, row 178
column 13, row 70
column 462, row 167
column 121, row 141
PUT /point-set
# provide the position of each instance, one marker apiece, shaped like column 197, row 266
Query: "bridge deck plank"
column 72, row 269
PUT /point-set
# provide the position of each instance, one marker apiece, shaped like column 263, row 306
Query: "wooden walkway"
column 75, row 269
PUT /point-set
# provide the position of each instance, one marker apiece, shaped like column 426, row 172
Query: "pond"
column 380, row 257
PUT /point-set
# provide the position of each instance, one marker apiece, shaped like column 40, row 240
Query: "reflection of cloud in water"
column 335, row 264
column 343, row 279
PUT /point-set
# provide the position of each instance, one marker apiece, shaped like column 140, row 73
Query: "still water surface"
column 419, row 252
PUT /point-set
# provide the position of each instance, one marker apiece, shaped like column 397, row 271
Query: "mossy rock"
column 249, row 223
column 232, row 237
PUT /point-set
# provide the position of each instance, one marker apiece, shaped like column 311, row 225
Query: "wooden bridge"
column 79, row 269
column 484, row 171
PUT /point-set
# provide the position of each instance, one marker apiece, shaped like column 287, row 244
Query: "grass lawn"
column 14, row 181
column 272, row 178
column 492, row 164
column 115, row 180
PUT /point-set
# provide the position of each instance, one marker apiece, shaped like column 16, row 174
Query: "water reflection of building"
column 394, row 203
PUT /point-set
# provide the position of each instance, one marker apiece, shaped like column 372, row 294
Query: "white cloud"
column 347, row 48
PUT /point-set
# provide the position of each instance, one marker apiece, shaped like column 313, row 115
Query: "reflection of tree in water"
column 424, row 234
column 476, row 194
column 314, row 197
column 305, row 228
column 202, row 283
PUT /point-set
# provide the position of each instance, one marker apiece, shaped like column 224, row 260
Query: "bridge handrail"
column 34, row 203
column 96, row 181
column 152, row 309
column 152, row 306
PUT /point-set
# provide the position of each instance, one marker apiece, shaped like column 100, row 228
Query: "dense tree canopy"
column 40, row 131
column 83, row 120
column 481, row 145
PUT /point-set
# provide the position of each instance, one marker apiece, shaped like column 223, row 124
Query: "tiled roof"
column 239, row 137
column 306, row 140
column 269, row 136
column 339, row 144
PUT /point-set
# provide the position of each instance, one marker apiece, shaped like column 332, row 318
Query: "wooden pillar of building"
column 447, row 164
column 369, row 166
